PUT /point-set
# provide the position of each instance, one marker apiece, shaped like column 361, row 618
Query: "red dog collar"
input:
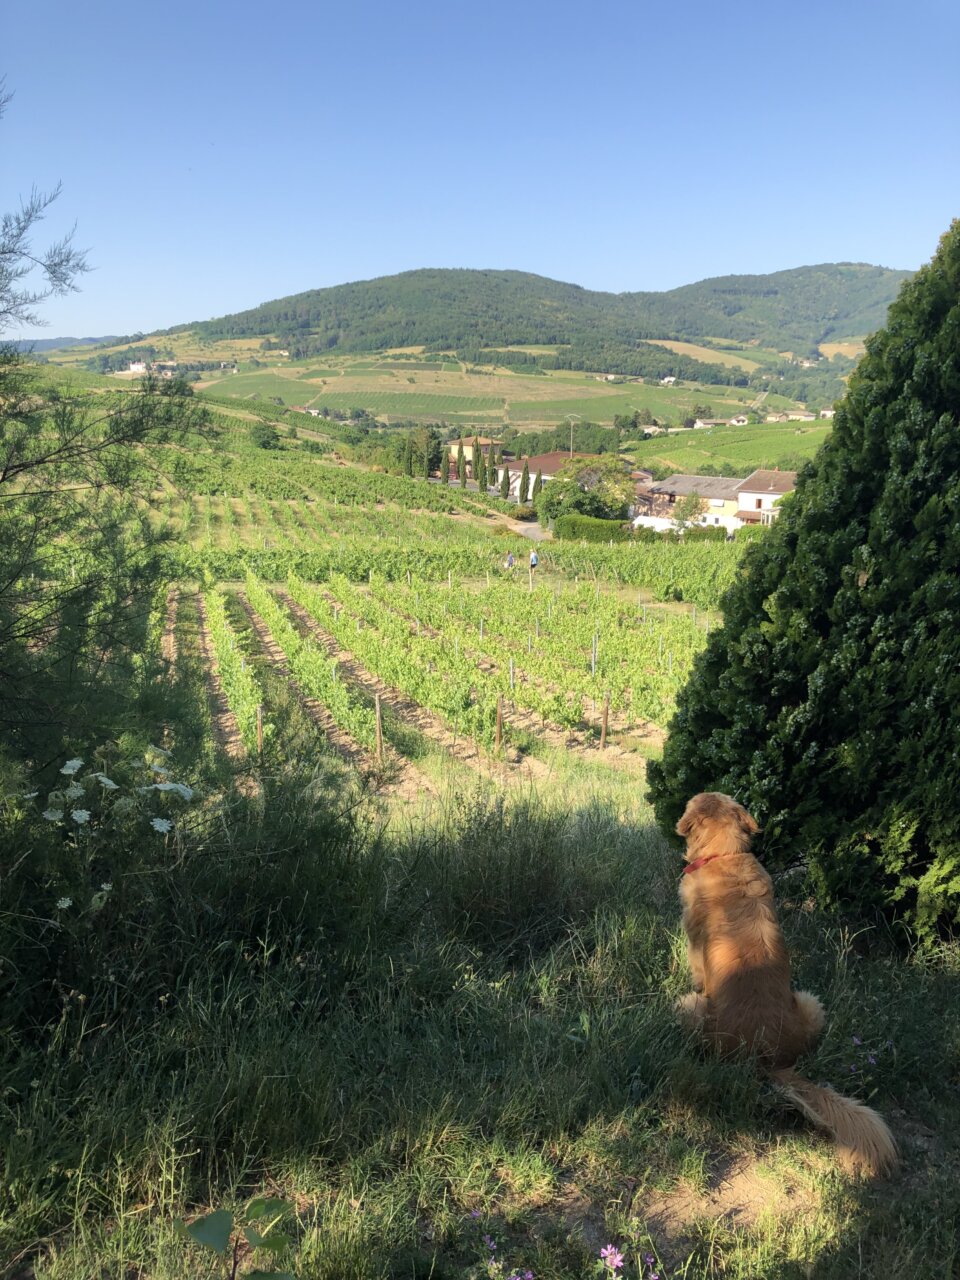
column 699, row 862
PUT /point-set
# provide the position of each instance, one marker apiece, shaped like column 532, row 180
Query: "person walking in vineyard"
column 534, row 559
column 509, row 562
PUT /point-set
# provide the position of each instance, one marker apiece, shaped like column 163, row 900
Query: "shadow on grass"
column 399, row 1034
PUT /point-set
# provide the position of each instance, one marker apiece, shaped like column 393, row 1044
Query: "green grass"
column 745, row 447
column 398, row 1032
column 518, row 399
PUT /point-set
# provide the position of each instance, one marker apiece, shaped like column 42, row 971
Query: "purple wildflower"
column 871, row 1059
column 474, row 1213
column 490, row 1243
column 612, row 1257
column 857, row 1041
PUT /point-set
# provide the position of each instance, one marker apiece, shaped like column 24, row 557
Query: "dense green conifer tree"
column 524, row 495
column 827, row 702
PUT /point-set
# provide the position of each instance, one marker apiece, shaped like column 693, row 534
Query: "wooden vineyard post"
column 498, row 741
column 260, row 729
column 379, row 715
column 606, row 719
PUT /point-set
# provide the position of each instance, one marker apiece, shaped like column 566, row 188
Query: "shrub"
column 591, row 529
column 827, row 702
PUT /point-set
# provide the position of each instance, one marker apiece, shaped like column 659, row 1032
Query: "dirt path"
column 431, row 726
column 398, row 775
column 168, row 641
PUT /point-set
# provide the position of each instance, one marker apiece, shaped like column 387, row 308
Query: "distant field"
column 760, row 446
column 455, row 396
column 185, row 346
column 707, row 354
column 852, row 349
column 534, row 350
column 430, row 391
column 601, row 406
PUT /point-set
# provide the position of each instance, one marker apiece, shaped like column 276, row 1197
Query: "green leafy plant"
column 259, row 1227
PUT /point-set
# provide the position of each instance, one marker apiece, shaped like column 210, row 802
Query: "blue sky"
column 217, row 156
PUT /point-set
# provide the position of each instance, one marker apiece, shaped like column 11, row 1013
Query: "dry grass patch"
column 706, row 354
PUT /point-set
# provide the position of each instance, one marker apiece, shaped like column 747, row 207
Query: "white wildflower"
column 80, row 815
column 163, row 825
column 71, row 767
column 182, row 790
column 107, row 887
column 105, row 782
column 52, row 815
column 64, row 903
column 31, row 795
column 74, row 791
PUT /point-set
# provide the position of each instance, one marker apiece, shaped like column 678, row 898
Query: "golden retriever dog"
column 742, row 999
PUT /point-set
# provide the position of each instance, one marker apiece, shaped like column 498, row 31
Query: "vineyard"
column 331, row 877
column 388, row 618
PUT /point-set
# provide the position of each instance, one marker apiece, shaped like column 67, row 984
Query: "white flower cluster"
column 60, row 800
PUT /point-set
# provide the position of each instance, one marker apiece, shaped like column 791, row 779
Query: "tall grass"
column 420, row 1038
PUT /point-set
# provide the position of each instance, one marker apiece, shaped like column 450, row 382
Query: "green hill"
column 472, row 310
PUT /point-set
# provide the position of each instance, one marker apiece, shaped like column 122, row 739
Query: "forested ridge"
column 461, row 309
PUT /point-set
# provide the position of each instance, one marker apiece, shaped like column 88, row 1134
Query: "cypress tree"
column 524, row 482
column 537, row 486
column 481, row 472
column 827, row 702
column 475, row 459
column 461, row 466
column 504, row 482
column 445, row 465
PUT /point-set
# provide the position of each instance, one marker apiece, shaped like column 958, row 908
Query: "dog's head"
column 711, row 813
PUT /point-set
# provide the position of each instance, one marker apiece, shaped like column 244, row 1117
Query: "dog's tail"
column 865, row 1143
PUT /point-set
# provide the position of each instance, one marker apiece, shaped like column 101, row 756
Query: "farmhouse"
column 759, row 494
column 730, row 503
column 792, row 415
column 546, row 464
column 484, row 443
column 655, row 504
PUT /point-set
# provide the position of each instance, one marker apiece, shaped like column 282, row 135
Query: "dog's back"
column 741, row 973
column 746, row 966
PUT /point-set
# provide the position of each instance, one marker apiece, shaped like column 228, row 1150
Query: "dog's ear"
column 692, row 814
column 686, row 823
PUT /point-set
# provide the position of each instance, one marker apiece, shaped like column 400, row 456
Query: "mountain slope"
column 788, row 310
